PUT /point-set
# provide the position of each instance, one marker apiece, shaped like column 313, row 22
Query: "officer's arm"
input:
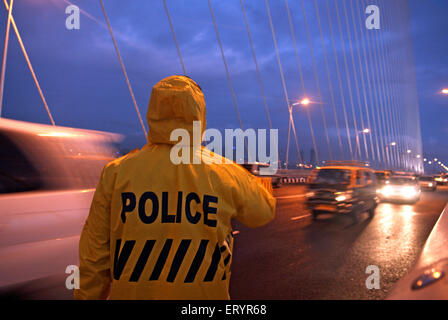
column 256, row 205
column 94, row 256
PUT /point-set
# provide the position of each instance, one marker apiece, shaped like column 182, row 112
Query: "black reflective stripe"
column 226, row 262
column 178, row 258
column 121, row 257
column 197, row 260
column 227, row 259
column 161, row 260
column 141, row 263
column 213, row 265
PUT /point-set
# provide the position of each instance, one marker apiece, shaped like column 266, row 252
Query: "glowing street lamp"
column 393, row 143
column 408, row 151
column 445, row 91
column 366, row 130
column 305, row 101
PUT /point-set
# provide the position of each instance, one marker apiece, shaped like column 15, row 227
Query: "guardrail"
column 428, row 279
column 293, row 176
column 293, row 180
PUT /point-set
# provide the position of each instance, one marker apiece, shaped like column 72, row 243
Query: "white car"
column 427, row 183
column 48, row 176
column 402, row 189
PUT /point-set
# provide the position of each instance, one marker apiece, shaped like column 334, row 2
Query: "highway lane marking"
column 300, row 217
column 289, row 197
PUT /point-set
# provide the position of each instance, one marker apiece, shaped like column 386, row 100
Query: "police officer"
column 160, row 230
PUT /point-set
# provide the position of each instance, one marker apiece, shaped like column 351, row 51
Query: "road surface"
column 294, row 257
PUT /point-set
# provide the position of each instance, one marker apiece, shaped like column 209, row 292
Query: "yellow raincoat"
column 159, row 230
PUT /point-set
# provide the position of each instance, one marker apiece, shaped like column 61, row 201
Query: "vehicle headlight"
column 408, row 192
column 386, row 190
column 309, row 194
column 342, row 196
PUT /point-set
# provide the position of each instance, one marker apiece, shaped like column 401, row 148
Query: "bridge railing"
column 293, row 176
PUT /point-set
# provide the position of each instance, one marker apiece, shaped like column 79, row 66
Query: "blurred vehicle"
column 342, row 188
column 401, row 188
column 427, row 183
column 441, row 179
column 254, row 168
column 382, row 176
column 48, row 175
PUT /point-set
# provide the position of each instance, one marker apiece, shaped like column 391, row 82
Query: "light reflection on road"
column 395, row 228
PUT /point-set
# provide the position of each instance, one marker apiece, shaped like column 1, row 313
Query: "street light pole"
column 304, row 102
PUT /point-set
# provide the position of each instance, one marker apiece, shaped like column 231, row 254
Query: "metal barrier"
column 293, row 180
column 428, row 279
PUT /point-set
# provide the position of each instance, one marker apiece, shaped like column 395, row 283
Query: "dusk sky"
column 81, row 77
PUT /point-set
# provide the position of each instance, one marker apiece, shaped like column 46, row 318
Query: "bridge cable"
column 363, row 85
column 398, row 117
column 5, row 53
column 373, row 130
column 330, row 84
column 256, row 64
column 416, row 138
column 338, row 73
column 316, row 78
column 123, row 69
column 174, row 37
column 355, row 123
column 386, row 70
column 382, row 102
column 355, row 76
column 19, row 38
column 402, row 63
column 375, row 95
column 225, row 66
column 291, row 119
column 386, row 97
column 299, row 67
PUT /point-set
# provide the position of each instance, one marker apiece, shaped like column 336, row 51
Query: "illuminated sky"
column 84, row 86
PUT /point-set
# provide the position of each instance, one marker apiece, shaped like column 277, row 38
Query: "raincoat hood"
column 175, row 103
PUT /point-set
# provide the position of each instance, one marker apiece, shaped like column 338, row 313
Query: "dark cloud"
column 84, row 85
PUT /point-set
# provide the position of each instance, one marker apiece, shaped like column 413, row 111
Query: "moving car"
column 402, row 189
column 441, row 179
column 427, row 183
column 48, row 175
column 343, row 188
column 382, row 176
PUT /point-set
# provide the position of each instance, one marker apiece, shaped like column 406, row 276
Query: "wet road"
column 294, row 257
